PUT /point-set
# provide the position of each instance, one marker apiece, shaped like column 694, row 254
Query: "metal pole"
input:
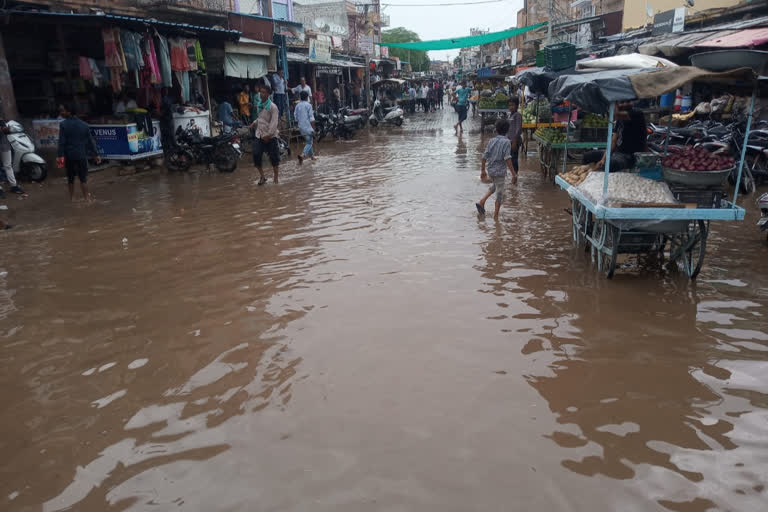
column 567, row 135
column 746, row 140
column 549, row 22
column 669, row 133
column 608, row 149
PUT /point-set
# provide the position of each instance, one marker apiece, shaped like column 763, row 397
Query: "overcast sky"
column 450, row 21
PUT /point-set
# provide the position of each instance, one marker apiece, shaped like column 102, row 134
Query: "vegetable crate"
column 559, row 56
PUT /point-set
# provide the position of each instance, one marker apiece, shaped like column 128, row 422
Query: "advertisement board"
column 365, row 44
column 46, row 133
column 126, row 142
column 322, row 17
column 319, row 51
column 668, row 22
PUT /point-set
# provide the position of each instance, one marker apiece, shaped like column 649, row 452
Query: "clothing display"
column 131, row 43
column 179, row 58
column 151, row 69
column 199, row 57
column 164, row 60
column 113, row 55
column 86, row 73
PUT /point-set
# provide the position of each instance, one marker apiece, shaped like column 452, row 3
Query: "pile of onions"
column 697, row 159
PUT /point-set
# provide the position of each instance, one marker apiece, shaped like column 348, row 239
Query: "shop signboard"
column 669, row 22
column 365, row 44
column 294, row 34
column 322, row 17
column 319, row 51
column 327, row 70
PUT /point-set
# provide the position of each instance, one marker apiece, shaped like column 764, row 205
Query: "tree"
column 418, row 58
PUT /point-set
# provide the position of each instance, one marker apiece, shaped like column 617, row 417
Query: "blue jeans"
column 309, row 138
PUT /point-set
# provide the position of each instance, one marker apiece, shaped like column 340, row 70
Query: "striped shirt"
column 499, row 150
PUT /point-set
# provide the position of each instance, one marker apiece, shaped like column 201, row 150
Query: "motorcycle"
column 331, row 124
column 223, row 151
column 762, row 203
column 391, row 115
column 354, row 120
column 27, row 165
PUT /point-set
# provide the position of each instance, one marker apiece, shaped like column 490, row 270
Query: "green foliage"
column 419, row 59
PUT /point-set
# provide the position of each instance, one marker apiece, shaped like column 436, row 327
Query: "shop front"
column 122, row 75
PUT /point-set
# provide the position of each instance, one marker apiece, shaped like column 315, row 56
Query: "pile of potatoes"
column 579, row 173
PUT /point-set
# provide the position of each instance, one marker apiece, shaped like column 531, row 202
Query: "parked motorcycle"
column 391, row 115
column 356, row 121
column 331, row 124
column 223, row 151
column 762, row 203
column 27, row 165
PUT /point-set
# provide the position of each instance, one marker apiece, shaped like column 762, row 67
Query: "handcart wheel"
column 695, row 244
column 579, row 213
column 605, row 248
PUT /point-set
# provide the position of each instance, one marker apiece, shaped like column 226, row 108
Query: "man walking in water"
column 306, row 121
column 75, row 141
column 462, row 99
column 267, row 131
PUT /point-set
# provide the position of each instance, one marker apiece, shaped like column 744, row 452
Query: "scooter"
column 27, row 165
column 391, row 115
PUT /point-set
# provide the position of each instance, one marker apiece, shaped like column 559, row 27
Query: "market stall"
column 627, row 213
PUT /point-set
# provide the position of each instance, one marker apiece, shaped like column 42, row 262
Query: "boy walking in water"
column 497, row 159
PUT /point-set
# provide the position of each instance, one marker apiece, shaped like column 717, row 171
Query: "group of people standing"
column 427, row 96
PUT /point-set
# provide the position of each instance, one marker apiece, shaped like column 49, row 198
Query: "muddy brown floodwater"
column 356, row 339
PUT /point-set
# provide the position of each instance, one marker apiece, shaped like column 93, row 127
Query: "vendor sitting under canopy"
column 629, row 138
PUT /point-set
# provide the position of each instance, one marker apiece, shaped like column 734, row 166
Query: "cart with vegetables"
column 627, row 213
column 492, row 107
column 554, row 142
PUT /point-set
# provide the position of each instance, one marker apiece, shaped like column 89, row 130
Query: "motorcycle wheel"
column 179, row 159
column 374, row 122
column 399, row 121
column 35, row 172
column 225, row 159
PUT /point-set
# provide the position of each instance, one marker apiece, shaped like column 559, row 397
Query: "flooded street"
column 356, row 339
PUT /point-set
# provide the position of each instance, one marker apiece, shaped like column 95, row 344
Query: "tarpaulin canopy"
column 464, row 42
column 595, row 92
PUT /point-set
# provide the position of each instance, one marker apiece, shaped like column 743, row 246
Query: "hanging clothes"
column 113, row 56
column 86, row 73
column 179, row 59
column 164, row 60
column 131, row 47
column 183, row 78
column 98, row 76
column 190, row 46
column 199, row 57
column 151, row 71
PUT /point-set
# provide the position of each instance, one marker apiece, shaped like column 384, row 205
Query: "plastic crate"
column 559, row 56
column 541, row 59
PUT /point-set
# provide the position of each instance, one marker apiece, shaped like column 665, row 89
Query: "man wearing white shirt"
column 423, row 93
column 302, row 87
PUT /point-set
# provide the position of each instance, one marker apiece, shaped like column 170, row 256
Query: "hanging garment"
column 182, row 77
column 98, row 76
column 151, row 69
column 164, row 60
column 199, row 57
column 131, row 48
column 190, row 45
column 113, row 55
column 86, row 73
column 179, row 59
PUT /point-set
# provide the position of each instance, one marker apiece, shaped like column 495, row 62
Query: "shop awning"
column 248, row 58
column 121, row 21
column 300, row 57
column 748, row 38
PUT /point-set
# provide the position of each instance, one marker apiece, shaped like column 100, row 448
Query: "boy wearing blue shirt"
column 497, row 159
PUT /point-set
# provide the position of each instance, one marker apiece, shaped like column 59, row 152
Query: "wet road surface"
column 357, row 339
